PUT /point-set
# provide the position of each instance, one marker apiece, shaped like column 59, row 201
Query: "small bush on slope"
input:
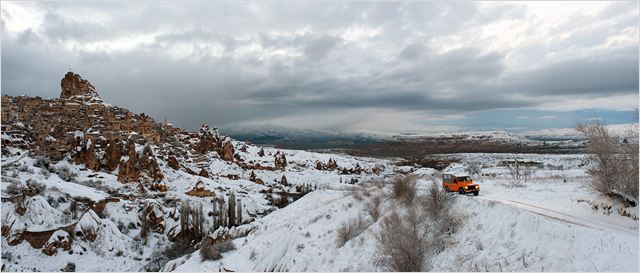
column 213, row 251
column 373, row 208
column 350, row 229
column 403, row 245
column 404, row 188
column 410, row 236
column 436, row 202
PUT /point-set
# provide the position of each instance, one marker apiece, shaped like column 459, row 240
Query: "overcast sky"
column 399, row 67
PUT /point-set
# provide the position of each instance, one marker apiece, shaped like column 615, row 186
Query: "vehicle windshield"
column 464, row 178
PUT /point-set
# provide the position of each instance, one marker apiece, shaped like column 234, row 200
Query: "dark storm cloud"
column 226, row 63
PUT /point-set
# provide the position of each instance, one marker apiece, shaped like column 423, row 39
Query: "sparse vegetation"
column 410, row 236
column 473, row 167
column 66, row 174
column 404, row 188
column 615, row 168
column 351, row 229
column 373, row 208
column 211, row 251
column 403, row 242
column 520, row 173
column 436, row 201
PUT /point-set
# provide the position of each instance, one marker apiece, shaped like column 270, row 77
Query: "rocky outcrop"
column 253, row 178
column 199, row 191
column 87, row 156
column 329, row 166
column 227, row 150
column 56, row 127
column 280, row 160
column 59, row 239
column 203, row 173
column 112, row 155
column 140, row 168
column 75, row 87
column 208, row 140
column 173, row 162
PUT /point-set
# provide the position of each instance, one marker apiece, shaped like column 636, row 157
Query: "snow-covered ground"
column 551, row 222
column 545, row 225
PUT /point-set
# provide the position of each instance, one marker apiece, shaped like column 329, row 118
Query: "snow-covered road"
column 552, row 213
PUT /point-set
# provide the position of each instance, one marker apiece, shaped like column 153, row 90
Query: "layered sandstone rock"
column 59, row 239
column 140, row 168
column 199, row 191
column 112, row 155
column 87, row 156
column 227, row 150
column 75, row 87
column 208, row 140
column 173, row 162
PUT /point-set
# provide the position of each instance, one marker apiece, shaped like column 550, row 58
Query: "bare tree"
column 615, row 163
column 520, row 173
column 403, row 242
column 473, row 167
column 239, row 212
column 232, row 209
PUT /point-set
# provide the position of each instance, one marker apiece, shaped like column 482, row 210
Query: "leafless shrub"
column 70, row 267
column 520, row 173
column 473, row 167
column 350, row 229
column 615, row 168
column 66, row 174
column 373, row 208
column 403, row 243
column 145, row 223
column 14, row 187
column 37, row 185
column 45, row 173
column 44, row 163
column 404, row 188
column 437, row 202
column 213, row 251
column 25, row 168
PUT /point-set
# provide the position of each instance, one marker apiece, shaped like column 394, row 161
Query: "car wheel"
column 476, row 193
column 461, row 191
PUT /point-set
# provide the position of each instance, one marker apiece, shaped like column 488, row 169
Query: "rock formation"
column 227, row 150
column 280, row 160
column 199, row 191
column 75, row 87
column 173, row 162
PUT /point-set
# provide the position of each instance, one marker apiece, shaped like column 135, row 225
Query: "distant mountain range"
column 302, row 138
column 295, row 138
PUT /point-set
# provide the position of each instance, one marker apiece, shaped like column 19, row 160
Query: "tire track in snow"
column 561, row 216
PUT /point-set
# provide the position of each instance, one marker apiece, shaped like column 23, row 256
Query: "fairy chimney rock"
column 75, row 87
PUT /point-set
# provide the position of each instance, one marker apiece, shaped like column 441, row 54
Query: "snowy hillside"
column 118, row 225
column 545, row 225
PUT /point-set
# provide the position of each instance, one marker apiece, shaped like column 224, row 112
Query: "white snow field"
column 543, row 226
column 553, row 222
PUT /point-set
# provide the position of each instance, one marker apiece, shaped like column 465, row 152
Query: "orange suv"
column 461, row 184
